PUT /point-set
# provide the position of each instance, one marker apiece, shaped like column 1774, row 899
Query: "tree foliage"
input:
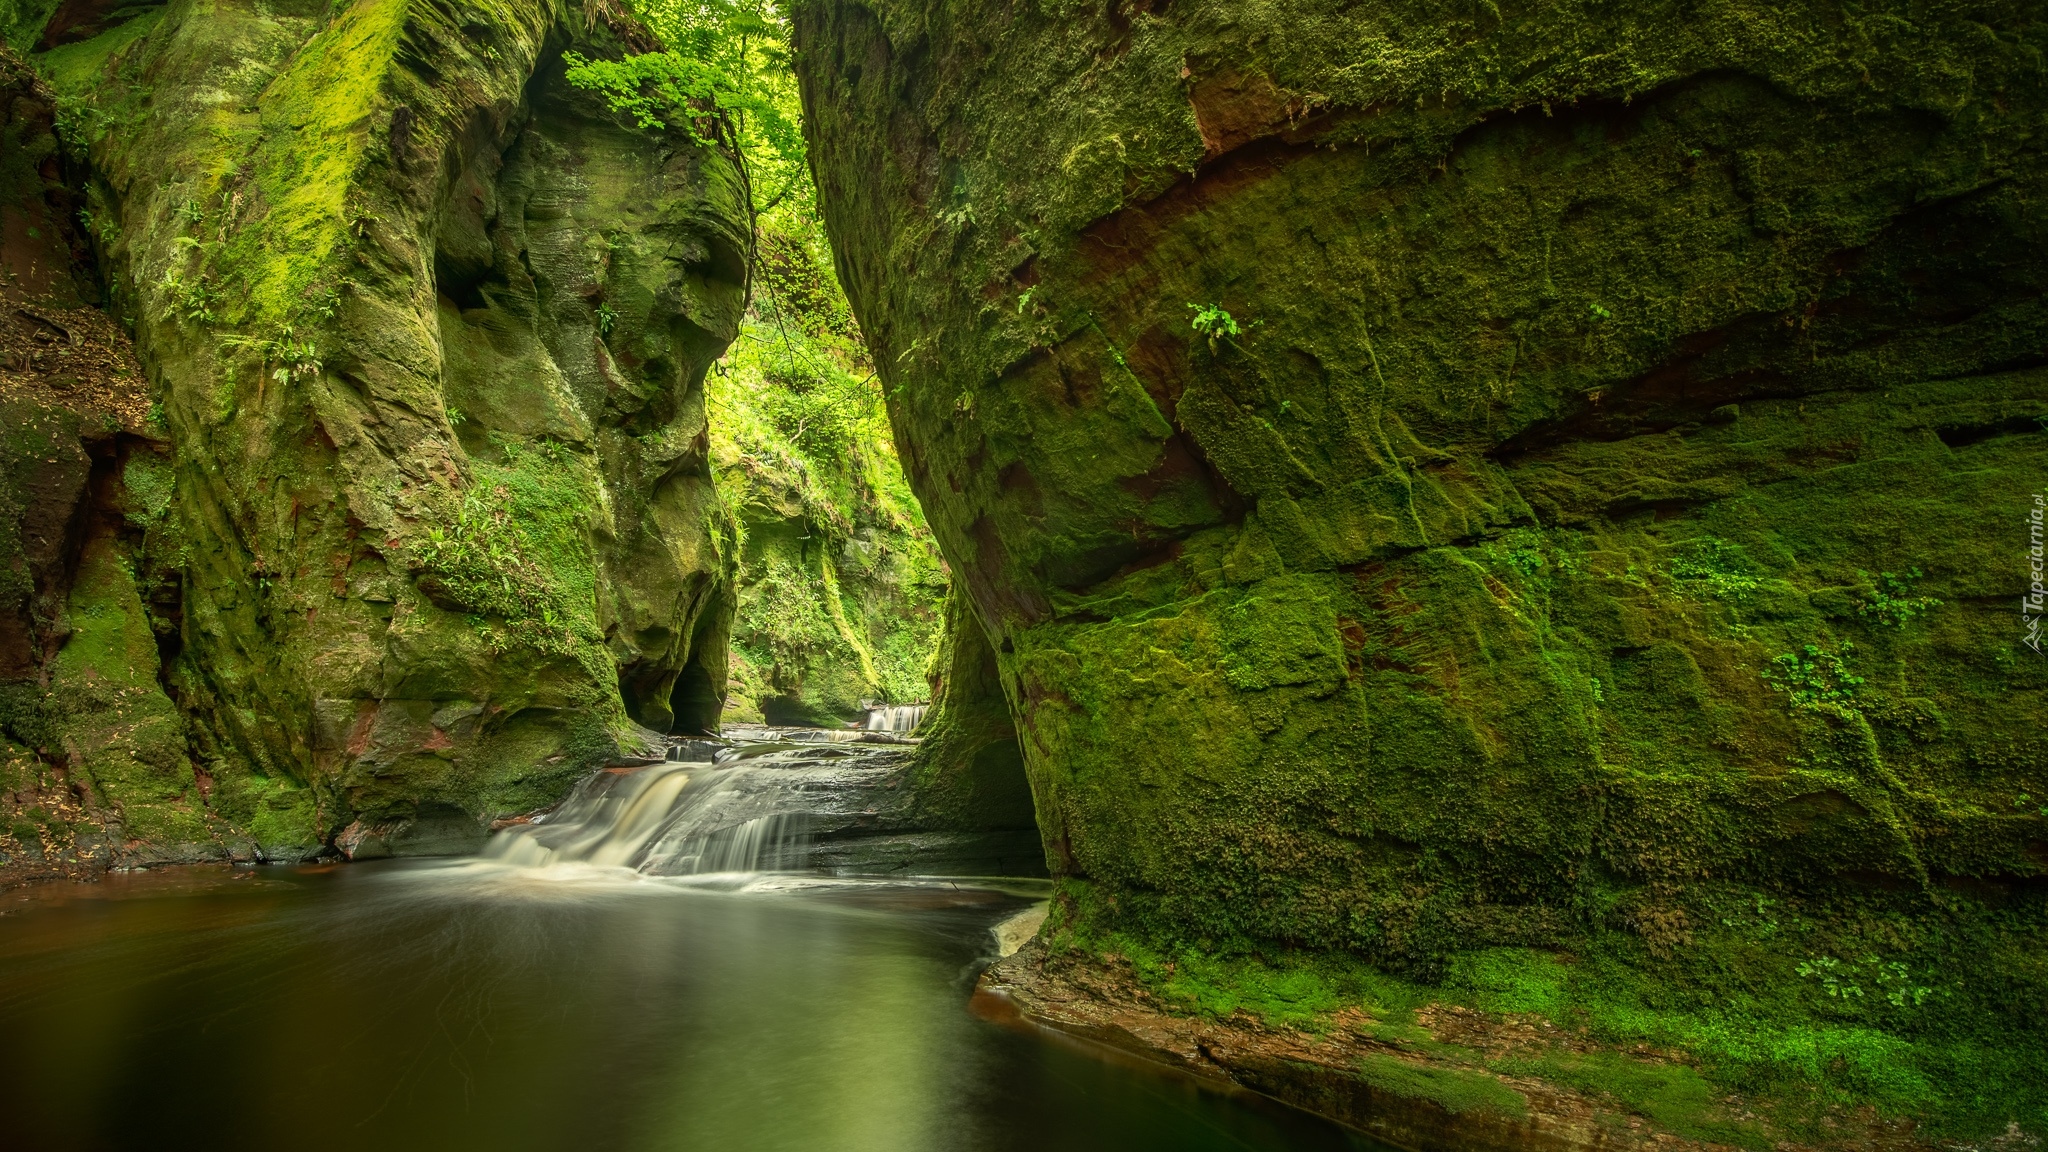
column 725, row 61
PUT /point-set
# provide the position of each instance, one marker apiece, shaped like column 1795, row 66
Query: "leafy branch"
column 727, row 63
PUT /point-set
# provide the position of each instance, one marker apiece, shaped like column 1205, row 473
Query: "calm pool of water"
column 458, row 1005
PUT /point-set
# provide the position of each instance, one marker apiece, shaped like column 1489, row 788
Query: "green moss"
column 1294, row 994
column 283, row 817
column 386, row 612
column 325, row 101
column 840, row 584
column 1798, row 1053
column 1511, row 980
column 968, row 769
column 1444, row 611
column 73, row 69
column 518, row 552
column 1673, row 1096
column 149, row 483
column 105, row 707
column 22, row 21
column 1455, row 1090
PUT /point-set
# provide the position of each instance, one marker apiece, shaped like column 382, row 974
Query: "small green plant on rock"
column 1716, row 569
column 1894, row 603
column 513, row 553
column 1216, row 323
column 1889, row 980
column 1817, row 680
column 295, row 358
column 188, row 298
column 1528, row 561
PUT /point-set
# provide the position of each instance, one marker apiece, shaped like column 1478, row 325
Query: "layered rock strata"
column 1428, row 481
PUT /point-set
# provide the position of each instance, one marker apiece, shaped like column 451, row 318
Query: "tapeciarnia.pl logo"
column 2035, row 602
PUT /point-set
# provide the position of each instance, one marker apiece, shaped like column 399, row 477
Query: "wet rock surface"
column 1439, row 484
column 1324, row 429
column 871, row 811
column 94, row 767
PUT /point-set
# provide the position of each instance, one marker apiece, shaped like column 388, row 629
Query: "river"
column 478, row 1004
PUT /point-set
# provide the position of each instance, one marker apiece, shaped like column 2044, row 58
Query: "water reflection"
column 474, row 1005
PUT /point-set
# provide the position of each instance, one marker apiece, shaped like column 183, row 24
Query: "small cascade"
column 610, row 819
column 710, row 808
column 899, row 718
column 687, row 750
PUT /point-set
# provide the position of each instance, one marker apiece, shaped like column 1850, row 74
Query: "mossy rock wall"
column 1599, row 478
column 968, row 768
column 428, row 330
column 94, row 767
column 839, row 605
column 841, row 589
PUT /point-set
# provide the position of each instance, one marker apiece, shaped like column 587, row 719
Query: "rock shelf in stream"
column 774, row 800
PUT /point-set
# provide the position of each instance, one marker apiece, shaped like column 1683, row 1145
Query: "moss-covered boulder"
column 428, row 328
column 1439, row 477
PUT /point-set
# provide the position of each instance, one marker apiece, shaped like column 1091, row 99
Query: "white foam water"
column 900, row 718
column 748, row 811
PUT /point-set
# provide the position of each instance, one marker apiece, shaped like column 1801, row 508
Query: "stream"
column 619, row 974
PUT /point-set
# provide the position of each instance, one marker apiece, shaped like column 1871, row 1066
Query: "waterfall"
column 709, row 808
column 609, row 819
column 895, row 717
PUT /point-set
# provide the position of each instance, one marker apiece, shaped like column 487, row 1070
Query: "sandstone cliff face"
column 839, row 598
column 428, row 329
column 1439, row 478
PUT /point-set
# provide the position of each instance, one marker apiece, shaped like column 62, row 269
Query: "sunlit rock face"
column 427, row 327
column 1437, row 478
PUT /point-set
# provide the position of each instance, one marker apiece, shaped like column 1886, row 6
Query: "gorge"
column 1477, row 546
